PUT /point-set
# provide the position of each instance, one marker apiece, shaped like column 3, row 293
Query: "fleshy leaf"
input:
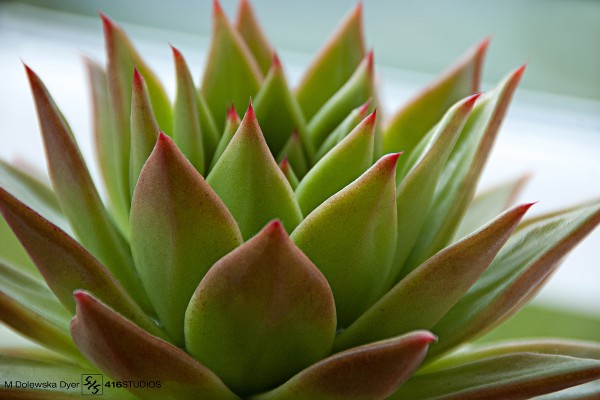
column 262, row 313
column 122, row 350
column 231, row 126
column 516, row 274
column 512, row 376
column 488, row 204
column 293, row 151
column 144, row 129
column 179, row 229
column 342, row 165
column 231, row 74
column 412, row 122
column 122, row 58
column 416, row 191
column 333, row 65
column 210, row 132
column 457, row 184
column 358, row 89
column 373, row 371
column 422, row 298
column 587, row 391
column 250, row 183
column 278, row 111
column 186, row 123
column 249, row 28
column 287, row 170
column 351, row 238
column 78, row 196
column 65, row 264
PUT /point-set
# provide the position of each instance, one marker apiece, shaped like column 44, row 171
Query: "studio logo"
column 91, row 384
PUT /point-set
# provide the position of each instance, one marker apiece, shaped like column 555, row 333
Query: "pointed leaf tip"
column 138, row 79
column 371, row 119
column 388, row 162
column 470, row 101
column 370, row 60
column 275, row 228
column 217, row 9
column 362, row 111
column 276, row 61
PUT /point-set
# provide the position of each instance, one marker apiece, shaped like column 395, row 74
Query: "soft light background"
column 552, row 129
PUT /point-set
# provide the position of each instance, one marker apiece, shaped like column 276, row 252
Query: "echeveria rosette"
column 304, row 251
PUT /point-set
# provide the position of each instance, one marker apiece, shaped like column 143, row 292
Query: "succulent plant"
column 292, row 254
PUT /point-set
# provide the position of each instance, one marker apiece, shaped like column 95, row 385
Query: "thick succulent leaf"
column 488, row 204
column 249, row 28
column 289, row 173
column 516, row 274
column 416, row 191
column 342, row 165
column 512, row 376
column 343, row 129
column 358, row 89
column 231, row 126
column 262, row 313
column 78, row 196
column 351, row 238
column 186, row 122
column 65, row 264
column 333, row 65
column 278, row 111
column 12, row 251
column 128, row 353
column 122, row 58
column 103, row 140
column 422, row 298
column 210, row 132
column 373, row 371
column 144, row 129
column 457, row 183
column 412, row 122
column 179, row 229
column 250, row 183
column 294, row 152
column 587, row 391
column 231, row 74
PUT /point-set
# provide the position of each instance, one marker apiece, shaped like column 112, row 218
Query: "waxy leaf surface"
column 249, row 28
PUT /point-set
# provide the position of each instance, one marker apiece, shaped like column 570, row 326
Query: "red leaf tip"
column 519, row 71
column 284, row 165
column 217, row 9
column 107, row 23
column 250, row 112
column 362, row 111
column 426, row 337
column 370, row 60
column 232, row 115
column 275, row 228
column 176, row 53
column 276, row 63
column 470, row 101
column 483, row 45
column 138, row 79
column 371, row 118
column 389, row 161
column 81, row 297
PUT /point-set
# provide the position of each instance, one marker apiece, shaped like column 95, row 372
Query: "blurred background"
column 552, row 129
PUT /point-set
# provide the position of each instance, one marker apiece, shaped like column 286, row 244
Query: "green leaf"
column 179, row 229
column 262, row 313
column 78, row 196
column 422, row 298
column 351, row 238
column 587, row 391
column 231, row 74
column 210, row 132
column 416, row 191
column 250, row 183
column 373, row 371
column 249, row 28
column 287, row 170
column 127, row 353
column 457, row 183
column 333, row 65
column 412, row 122
column 357, row 90
column 293, row 151
column 122, row 58
column 144, row 129
column 231, row 126
column 488, row 204
column 65, row 264
column 515, row 275
column 278, row 111
column 342, row 165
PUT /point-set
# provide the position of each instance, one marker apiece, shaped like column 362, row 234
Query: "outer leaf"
column 278, row 111
column 231, row 126
column 287, row 170
column 186, row 123
column 333, row 65
column 416, row 191
column 249, row 28
column 355, row 92
column 262, row 313
column 250, row 183
column 231, row 74
column 122, row 58
column 457, row 185
column 511, row 376
column 210, row 132
column 293, row 151
column 421, row 299
column 144, row 129
column 342, row 165
column 122, row 350
column 179, row 229
column 516, row 274
column 373, row 371
column 587, row 391
column 65, row 264
column 412, row 122
column 77, row 194
column 351, row 238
